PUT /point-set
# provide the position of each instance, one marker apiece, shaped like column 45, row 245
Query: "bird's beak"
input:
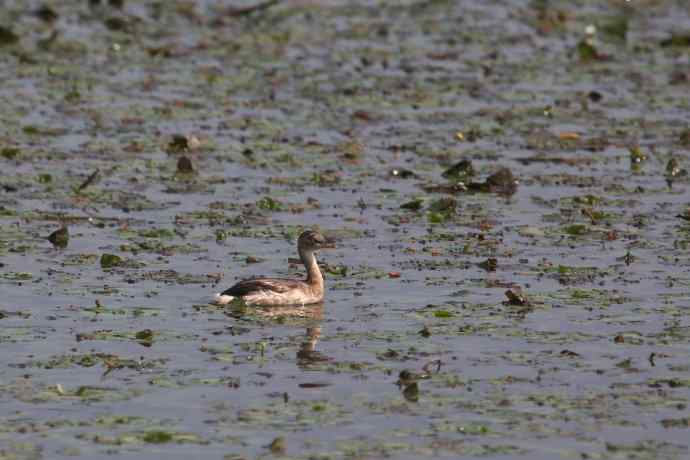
column 329, row 244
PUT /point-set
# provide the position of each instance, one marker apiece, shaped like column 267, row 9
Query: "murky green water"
column 344, row 116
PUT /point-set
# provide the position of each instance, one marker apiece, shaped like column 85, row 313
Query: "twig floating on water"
column 89, row 180
column 247, row 10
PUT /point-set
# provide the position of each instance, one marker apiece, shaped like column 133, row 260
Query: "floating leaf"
column 46, row 13
column 184, row 165
column 111, row 260
column 178, row 144
column 157, row 437
column 676, row 40
column 352, row 150
column 411, row 392
column 116, row 24
column 7, row 37
column 462, row 170
column 576, row 229
column 684, row 138
column 586, row 51
column 278, row 446
column 515, row 297
column 145, row 337
column 59, row 238
column 157, row 233
column 9, row 153
column 444, row 205
column 489, row 264
column 44, row 178
column 616, row 28
column 414, row 205
column 269, row 204
column 443, row 314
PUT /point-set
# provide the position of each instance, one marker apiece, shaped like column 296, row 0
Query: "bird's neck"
column 314, row 277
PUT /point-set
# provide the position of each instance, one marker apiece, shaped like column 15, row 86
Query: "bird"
column 282, row 291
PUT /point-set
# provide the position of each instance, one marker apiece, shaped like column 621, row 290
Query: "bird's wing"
column 263, row 284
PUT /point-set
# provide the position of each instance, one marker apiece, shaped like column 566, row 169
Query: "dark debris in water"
column 502, row 182
column 46, row 13
column 111, row 260
column 516, row 298
column 184, row 165
column 59, row 238
column 462, row 170
column 7, row 37
column 92, row 179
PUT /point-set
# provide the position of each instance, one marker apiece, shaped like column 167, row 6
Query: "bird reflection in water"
column 308, row 355
column 309, row 315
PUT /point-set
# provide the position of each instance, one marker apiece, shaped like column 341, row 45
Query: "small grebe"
column 279, row 291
